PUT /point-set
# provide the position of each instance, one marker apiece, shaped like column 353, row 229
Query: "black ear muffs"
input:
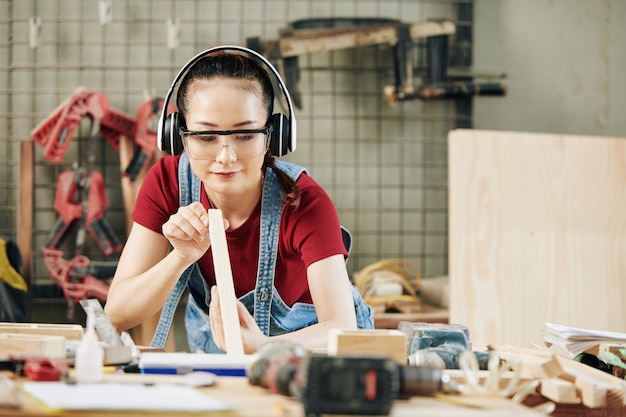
column 283, row 136
column 279, row 138
column 170, row 140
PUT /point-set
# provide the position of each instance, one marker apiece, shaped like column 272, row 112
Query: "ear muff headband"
column 283, row 137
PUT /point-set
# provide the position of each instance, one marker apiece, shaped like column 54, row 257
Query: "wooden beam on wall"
column 25, row 209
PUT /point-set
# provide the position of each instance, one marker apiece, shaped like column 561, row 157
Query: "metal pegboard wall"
column 384, row 167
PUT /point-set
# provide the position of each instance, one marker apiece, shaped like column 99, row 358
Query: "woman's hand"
column 188, row 231
column 252, row 336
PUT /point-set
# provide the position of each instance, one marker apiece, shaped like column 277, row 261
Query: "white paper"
column 577, row 333
column 575, row 340
column 119, row 396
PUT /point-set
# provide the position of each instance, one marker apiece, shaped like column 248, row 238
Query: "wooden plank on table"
column 68, row 331
column 225, row 286
column 536, row 233
column 429, row 314
column 31, row 345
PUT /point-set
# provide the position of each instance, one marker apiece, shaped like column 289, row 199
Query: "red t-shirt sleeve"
column 158, row 196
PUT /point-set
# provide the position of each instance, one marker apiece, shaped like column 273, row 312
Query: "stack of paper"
column 574, row 340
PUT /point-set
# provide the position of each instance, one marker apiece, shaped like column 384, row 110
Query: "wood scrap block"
column 593, row 394
column 68, row 331
column 117, row 355
column 598, row 388
column 560, row 391
column 377, row 342
column 225, row 286
column 539, row 364
column 613, row 348
column 32, row 345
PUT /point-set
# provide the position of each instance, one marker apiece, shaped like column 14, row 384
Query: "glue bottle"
column 89, row 354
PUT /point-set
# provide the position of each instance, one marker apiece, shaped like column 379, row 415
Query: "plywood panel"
column 537, row 233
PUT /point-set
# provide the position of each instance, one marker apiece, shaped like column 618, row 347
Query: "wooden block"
column 117, row 355
column 539, row 364
column 68, row 331
column 32, row 345
column 593, row 393
column 560, row 391
column 598, row 388
column 613, row 348
column 377, row 342
column 225, row 286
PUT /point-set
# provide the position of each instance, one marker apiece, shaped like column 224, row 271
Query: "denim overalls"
column 271, row 314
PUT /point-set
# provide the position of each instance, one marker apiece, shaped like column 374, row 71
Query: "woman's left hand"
column 252, row 336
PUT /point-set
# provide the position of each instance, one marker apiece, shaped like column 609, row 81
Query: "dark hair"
column 238, row 66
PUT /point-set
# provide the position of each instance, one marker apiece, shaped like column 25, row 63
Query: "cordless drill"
column 346, row 384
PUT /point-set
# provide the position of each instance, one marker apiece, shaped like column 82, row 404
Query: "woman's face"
column 227, row 164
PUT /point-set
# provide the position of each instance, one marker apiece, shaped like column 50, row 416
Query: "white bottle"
column 89, row 355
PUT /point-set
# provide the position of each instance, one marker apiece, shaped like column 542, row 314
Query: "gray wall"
column 565, row 61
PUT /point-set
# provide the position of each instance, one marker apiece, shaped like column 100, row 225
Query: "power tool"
column 345, row 384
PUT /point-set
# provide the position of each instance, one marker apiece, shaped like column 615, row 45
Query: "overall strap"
column 189, row 187
column 271, row 213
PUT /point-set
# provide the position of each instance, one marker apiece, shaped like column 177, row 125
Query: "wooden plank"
column 536, row 229
column 32, row 345
column 429, row 314
column 322, row 40
column 68, row 331
column 225, row 286
column 24, row 238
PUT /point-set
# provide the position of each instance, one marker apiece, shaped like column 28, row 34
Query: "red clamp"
column 56, row 132
column 36, row 368
column 115, row 124
column 66, row 275
column 145, row 138
column 71, row 183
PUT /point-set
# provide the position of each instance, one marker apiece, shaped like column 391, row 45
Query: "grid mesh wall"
column 384, row 167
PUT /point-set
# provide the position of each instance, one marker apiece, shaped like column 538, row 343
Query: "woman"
column 297, row 291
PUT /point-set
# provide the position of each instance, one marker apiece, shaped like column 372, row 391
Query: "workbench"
column 252, row 401
column 429, row 314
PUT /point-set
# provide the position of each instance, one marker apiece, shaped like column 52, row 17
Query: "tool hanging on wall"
column 74, row 277
column 70, row 184
column 328, row 34
column 56, row 132
column 145, row 137
column 81, row 200
column 439, row 86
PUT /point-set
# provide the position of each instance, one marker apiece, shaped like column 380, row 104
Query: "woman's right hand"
column 188, row 231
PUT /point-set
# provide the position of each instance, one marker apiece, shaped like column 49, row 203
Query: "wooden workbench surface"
column 254, row 401
column 429, row 314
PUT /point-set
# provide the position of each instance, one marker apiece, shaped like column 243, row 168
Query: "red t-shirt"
column 307, row 234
